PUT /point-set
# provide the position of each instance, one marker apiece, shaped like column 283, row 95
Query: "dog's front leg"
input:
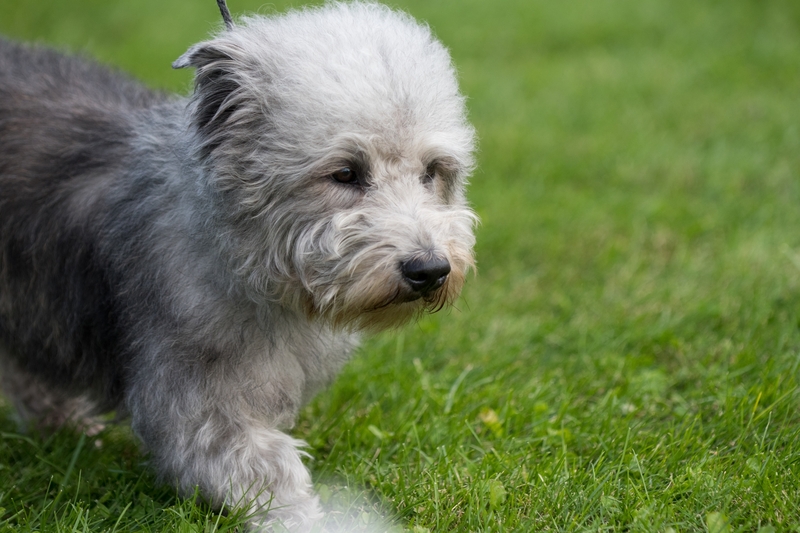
column 214, row 425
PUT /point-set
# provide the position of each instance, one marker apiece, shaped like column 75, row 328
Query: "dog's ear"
column 216, row 83
column 200, row 55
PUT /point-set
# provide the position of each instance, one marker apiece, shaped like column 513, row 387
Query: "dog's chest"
column 321, row 353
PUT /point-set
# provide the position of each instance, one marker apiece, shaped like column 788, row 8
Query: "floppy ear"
column 216, row 84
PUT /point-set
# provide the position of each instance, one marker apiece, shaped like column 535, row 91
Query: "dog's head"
column 336, row 150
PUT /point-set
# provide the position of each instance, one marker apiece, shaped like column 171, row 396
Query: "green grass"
column 626, row 358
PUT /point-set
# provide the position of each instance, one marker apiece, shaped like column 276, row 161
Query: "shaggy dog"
column 205, row 265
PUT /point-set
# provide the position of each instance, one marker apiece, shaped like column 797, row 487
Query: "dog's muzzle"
column 425, row 274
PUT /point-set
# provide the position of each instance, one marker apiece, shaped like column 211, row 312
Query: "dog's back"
column 57, row 110
column 65, row 129
column 66, row 79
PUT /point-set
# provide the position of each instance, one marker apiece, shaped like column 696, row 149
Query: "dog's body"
column 205, row 265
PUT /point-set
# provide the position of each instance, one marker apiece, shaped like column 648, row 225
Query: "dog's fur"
column 205, row 265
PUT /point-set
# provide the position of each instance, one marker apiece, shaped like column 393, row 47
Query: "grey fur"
column 206, row 265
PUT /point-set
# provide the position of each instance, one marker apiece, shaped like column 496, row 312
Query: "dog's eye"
column 346, row 175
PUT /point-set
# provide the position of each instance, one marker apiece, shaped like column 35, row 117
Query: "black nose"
column 425, row 274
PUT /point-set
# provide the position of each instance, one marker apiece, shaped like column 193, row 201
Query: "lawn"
column 626, row 357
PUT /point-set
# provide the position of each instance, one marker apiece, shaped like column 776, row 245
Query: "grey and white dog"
column 204, row 265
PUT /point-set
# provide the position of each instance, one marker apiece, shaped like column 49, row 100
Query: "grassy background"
column 626, row 358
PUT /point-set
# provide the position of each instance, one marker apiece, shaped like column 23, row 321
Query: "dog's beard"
column 375, row 299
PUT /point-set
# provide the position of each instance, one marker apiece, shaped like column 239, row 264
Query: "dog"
column 204, row 265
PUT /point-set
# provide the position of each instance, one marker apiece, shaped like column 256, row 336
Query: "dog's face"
column 339, row 163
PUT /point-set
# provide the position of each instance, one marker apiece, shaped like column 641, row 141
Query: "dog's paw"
column 300, row 517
